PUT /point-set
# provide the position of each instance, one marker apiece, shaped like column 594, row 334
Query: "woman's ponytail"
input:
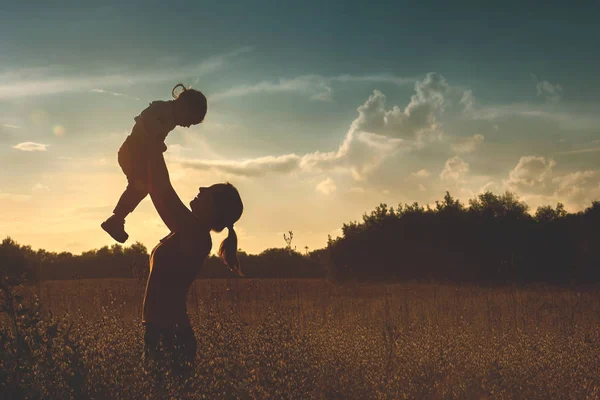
column 228, row 252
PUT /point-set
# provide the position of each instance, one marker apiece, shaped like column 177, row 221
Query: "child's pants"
column 133, row 159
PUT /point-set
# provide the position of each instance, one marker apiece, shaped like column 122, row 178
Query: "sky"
column 317, row 111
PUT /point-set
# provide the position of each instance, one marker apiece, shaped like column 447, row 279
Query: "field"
column 313, row 339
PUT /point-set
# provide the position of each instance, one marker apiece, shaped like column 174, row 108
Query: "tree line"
column 492, row 240
column 19, row 262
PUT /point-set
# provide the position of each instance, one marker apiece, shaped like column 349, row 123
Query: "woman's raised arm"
column 169, row 206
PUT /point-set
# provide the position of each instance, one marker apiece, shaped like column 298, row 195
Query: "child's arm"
column 171, row 209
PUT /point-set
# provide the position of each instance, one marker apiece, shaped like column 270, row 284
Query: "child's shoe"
column 115, row 227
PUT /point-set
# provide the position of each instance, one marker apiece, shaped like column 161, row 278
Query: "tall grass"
column 312, row 339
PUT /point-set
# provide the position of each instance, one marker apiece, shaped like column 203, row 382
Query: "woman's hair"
column 229, row 211
column 193, row 97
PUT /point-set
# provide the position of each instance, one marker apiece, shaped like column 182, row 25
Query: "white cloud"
column 11, row 126
column 551, row 92
column 454, row 169
column 103, row 91
column 39, row 187
column 488, row 187
column 327, row 186
column 31, row 146
column 35, row 82
column 568, row 117
column 579, row 188
column 383, row 78
column 531, row 174
column 532, row 178
column 422, row 173
column 467, row 144
column 305, row 83
column 375, row 135
column 468, row 101
column 252, row 167
column 581, row 151
column 327, row 95
column 14, row 196
column 318, row 86
column 419, row 119
column 360, row 152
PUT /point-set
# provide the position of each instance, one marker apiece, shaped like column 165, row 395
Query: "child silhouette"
column 151, row 128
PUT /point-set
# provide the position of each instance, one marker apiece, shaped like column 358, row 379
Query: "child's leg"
column 135, row 192
column 134, row 163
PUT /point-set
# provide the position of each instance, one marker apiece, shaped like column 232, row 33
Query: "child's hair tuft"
column 177, row 94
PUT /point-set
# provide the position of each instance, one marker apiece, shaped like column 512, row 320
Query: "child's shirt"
column 156, row 121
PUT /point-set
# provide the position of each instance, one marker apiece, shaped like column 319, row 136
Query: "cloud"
column 39, row 187
column 327, row 186
column 53, row 80
column 564, row 115
column 454, row 169
column 96, row 90
column 327, row 95
column 551, row 92
column 533, row 178
column 31, row 146
column 305, row 83
column 14, row 197
column 422, row 173
column 530, row 175
column 360, row 152
column 581, row 151
column 375, row 135
column 248, row 168
column 383, row 78
column 468, row 101
column 420, row 118
column 11, row 126
column 468, row 144
column 579, row 188
column 319, row 87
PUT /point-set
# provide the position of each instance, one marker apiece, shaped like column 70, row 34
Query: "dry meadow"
column 307, row 339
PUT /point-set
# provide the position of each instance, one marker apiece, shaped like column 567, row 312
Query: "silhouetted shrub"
column 493, row 240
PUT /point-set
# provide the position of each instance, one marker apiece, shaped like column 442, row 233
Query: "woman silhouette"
column 176, row 260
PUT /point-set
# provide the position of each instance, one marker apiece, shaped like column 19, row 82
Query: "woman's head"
column 220, row 205
column 190, row 105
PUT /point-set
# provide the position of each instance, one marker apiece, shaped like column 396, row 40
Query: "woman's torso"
column 174, row 264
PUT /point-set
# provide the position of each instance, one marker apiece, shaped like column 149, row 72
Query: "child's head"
column 190, row 106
